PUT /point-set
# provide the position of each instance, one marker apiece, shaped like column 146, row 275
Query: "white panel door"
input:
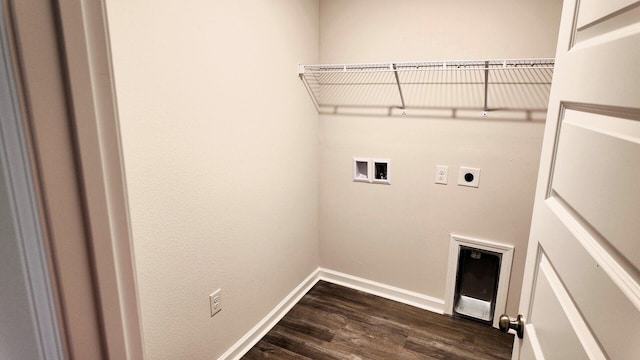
column 581, row 292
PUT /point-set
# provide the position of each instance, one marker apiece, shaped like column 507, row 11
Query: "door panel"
column 531, row 349
column 604, row 56
column 553, row 326
column 627, row 16
column 581, row 290
column 583, row 166
column 595, row 65
column 592, row 11
column 600, row 302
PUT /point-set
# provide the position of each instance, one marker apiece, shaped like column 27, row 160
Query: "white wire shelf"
column 484, row 85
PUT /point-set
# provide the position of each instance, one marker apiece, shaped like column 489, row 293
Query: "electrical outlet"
column 442, row 174
column 469, row 176
column 215, row 302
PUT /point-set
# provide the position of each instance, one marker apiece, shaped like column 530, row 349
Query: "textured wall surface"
column 399, row 234
column 234, row 183
column 221, row 156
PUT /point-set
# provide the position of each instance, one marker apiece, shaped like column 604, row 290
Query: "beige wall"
column 355, row 31
column 221, row 157
column 221, row 153
column 399, row 234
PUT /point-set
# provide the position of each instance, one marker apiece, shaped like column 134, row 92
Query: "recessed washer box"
column 361, row 170
column 371, row 170
column 381, row 169
column 468, row 176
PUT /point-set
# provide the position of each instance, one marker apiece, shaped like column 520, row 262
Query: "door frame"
column 29, row 262
column 66, row 92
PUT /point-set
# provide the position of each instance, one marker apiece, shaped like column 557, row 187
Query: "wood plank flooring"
column 334, row 322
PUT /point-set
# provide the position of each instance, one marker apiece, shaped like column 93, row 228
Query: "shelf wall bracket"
column 395, row 72
column 486, row 88
column 301, row 73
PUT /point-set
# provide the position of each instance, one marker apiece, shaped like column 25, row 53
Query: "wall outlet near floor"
column 215, row 302
column 442, row 174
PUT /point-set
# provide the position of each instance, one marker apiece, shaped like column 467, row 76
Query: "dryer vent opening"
column 477, row 283
column 478, row 278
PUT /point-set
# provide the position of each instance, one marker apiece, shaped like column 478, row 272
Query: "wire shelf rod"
column 455, row 83
column 455, row 65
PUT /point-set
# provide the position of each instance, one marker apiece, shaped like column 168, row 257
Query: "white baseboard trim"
column 383, row 290
column 375, row 288
column 268, row 322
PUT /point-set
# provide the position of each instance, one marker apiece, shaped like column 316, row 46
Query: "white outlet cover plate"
column 467, row 172
column 442, row 174
column 215, row 302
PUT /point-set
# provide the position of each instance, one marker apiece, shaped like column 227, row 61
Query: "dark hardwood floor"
column 334, row 322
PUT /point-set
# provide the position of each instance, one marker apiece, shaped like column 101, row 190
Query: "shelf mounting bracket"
column 395, row 72
column 486, row 88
